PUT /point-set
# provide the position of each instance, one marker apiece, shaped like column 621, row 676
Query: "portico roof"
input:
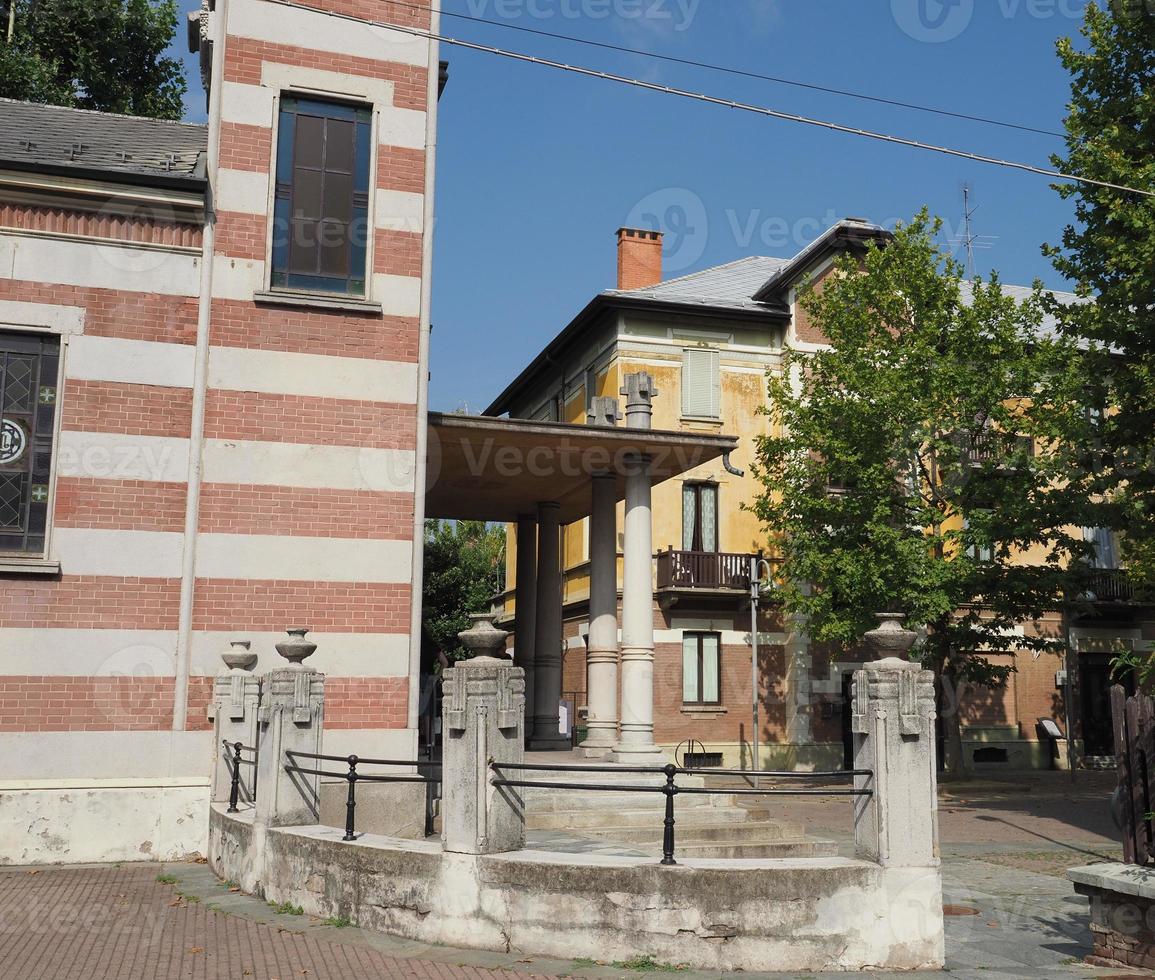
column 496, row 469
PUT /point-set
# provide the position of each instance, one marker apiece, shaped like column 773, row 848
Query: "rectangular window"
column 321, row 205
column 980, row 551
column 701, row 383
column 1105, row 554
column 29, row 366
column 699, row 517
column 701, row 668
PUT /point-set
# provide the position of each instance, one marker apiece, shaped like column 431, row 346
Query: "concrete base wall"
column 797, row 914
column 1122, row 913
column 66, row 821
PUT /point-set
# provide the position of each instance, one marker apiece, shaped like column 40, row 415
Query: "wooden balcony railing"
column 703, row 570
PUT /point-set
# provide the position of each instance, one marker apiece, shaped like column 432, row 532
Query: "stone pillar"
column 484, row 712
column 291, row 716
column 893, row 724
column 526, row 606
column 636, row 744
column 602, row 651
column 546, row 733
column 233, row 712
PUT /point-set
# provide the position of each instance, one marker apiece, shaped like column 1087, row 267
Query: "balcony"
column 994, row 447
column 706, row 570
column 1110, row 585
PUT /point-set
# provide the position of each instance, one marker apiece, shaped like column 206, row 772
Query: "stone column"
column 636, row 744
column 526, row 606
column 547, row 643
column 484, row 719
column 233, row 712
column 893, row 724
column 602, row 651
column 291, row 716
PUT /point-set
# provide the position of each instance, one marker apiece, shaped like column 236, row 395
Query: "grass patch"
column 337, row 921
column 647, row 964
column 584, row 962
column 230, row 885
column 191, row 899
column 286, row 908
column 166, row 879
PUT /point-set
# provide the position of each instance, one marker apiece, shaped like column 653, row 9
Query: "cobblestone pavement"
column 1003, row 858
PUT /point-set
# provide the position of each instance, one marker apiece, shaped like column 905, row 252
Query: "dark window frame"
column 321, row 235
column 28, row 427
column 700, row 636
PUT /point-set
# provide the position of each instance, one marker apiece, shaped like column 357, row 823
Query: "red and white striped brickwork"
column 306, row 502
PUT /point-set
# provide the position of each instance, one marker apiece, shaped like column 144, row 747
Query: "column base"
column 640, row 755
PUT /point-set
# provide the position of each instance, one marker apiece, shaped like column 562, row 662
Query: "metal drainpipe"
column 200, row 379
column 419, row 463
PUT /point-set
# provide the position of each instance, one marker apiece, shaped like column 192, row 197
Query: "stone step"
column 592, row 819
column 721, row 833
column 574, row 800
column 801, row 847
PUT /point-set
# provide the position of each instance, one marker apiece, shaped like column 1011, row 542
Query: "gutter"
column 200, row 387
column 167, row 181
column 434, row 72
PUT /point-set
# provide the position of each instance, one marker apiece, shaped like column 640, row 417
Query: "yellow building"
column 708, row 340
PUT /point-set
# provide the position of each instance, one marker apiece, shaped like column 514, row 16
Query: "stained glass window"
column 321, row 205
column 28, row 371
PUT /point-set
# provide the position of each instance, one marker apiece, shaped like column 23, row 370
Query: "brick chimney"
column 639, row 258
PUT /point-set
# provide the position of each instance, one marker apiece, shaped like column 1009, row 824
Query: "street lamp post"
column 759, row 569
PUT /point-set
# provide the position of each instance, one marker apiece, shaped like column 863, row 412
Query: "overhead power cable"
column 739, row 72
column 715, row 100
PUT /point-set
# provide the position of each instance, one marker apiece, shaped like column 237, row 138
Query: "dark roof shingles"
column 32, row 134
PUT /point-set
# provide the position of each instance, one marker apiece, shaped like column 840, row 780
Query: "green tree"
column 464, row 570
column 1109, row 253
column 107, row 55
column 913, row 462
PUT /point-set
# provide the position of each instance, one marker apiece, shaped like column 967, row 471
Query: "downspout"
column 420, row 466
column 200, row 379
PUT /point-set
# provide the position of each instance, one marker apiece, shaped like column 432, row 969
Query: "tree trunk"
column 954, row 759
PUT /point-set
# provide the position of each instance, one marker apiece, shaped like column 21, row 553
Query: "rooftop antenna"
column 970, row 240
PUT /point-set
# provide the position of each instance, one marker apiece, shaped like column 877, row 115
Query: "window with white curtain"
column 700, row 517
column 701, row 383
column 701, row 668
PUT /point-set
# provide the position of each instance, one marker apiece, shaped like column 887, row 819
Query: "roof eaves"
column 138, row 178
column 845, row 233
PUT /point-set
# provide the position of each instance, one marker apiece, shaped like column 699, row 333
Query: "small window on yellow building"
column 701, row 668
column 701, row 383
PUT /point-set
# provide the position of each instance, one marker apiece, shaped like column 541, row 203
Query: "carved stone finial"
column 604, row 410
column 238, row 656
column 890, row 639
column 483, row 639
column 640, row 393
column 296, row 648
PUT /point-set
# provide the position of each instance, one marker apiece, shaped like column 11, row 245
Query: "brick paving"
column 120, row 923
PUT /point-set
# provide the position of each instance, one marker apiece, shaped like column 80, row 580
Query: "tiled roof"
column 34, row 135
column 731, row 285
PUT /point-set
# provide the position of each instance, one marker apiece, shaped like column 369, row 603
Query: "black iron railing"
column 670, row 788
column 352, row 776
column 234, row 760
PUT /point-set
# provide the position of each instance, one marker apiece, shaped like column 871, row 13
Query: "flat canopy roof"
column 496, row 469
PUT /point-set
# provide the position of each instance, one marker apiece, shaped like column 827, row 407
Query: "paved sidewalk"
column 121, row 923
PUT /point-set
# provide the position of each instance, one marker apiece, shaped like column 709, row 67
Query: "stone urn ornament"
column 296, row 648
column 238, row 656
column 890, row 639
column 483, row 639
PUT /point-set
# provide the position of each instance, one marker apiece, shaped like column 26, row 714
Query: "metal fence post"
column 234, row 790
column 670, row 790
column 351, row 802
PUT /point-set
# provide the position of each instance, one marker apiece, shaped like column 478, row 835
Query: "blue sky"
column 538, row 168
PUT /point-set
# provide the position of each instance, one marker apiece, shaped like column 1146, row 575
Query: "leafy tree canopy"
column 464, row 570
column 107, row 55
column 1109, row 253
column 920, row 464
